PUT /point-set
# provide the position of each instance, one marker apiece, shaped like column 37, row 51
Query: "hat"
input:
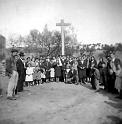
column 21, row 54
column 14, row 50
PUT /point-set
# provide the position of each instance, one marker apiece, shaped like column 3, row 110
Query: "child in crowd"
column 38, row 80
column 43, row 77
column 29, row 75
column 35, row 75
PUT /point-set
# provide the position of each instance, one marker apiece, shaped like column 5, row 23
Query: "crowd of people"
column 26, row 71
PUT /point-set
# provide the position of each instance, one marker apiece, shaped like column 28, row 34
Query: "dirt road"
column 59, row 103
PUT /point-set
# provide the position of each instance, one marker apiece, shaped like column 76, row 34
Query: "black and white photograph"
column 60, row 61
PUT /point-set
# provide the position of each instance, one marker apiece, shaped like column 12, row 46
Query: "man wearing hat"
column 112, row 72
column 11, row 72
column 21, row 72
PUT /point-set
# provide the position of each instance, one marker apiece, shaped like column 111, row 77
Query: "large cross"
column 62, row 24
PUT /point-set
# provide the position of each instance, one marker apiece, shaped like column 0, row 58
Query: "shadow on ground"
column 114, row 120
column 113, row 102
column 9, row 121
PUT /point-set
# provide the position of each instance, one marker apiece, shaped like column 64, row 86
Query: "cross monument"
column 62, row 25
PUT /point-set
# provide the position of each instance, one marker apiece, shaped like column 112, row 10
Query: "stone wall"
column 3, row 78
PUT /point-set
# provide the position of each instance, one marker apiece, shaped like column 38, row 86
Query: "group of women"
column 44, row 70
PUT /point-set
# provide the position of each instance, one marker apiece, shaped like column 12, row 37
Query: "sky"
column 93, row 20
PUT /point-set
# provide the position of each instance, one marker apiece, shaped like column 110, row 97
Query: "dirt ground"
column 59, row 103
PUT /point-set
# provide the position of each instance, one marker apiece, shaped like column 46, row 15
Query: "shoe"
column 20, row 90
column 11, row 98
column 97, row 91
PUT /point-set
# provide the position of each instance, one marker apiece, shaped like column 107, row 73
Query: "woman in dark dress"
column 100, row 67
column 92, row 61
column 57, row 70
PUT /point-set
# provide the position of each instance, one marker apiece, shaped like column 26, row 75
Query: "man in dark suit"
column 82, row 65
column 21, row 72
column 63, row 68
column 112, row 74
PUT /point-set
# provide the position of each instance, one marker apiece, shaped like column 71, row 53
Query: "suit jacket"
column 82, row 64
column 20, row 68
column 64, row 63
column 92, row 62
column 47, row 66
column 10, row 65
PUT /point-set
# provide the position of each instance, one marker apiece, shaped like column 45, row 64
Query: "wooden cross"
column 62, row 24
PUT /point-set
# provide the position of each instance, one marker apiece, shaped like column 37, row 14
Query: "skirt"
column 118, row 83
column 29, row 78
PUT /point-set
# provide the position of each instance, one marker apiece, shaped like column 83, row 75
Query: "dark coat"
column 82, row 68
column 100, row 67
column 57, row 71
column 47, row 68
column 21, row 72
column 10, row 65
column 92, row 62
column 72, row 75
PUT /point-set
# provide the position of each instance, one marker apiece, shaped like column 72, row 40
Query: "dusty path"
column 59, row 103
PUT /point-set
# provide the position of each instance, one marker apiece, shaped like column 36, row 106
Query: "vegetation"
column 48, row 43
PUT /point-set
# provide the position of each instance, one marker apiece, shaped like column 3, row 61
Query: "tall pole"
column 62, row 36
column 62, row 25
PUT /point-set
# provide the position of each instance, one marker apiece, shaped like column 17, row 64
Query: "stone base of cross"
column 62, row 25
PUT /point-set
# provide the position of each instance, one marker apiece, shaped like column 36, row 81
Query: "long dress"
column 57, row 71
column 118, row 81
column 35, row 74
column 100, row 67
column 82, row 64
column 52, row 72
column 43, row 75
